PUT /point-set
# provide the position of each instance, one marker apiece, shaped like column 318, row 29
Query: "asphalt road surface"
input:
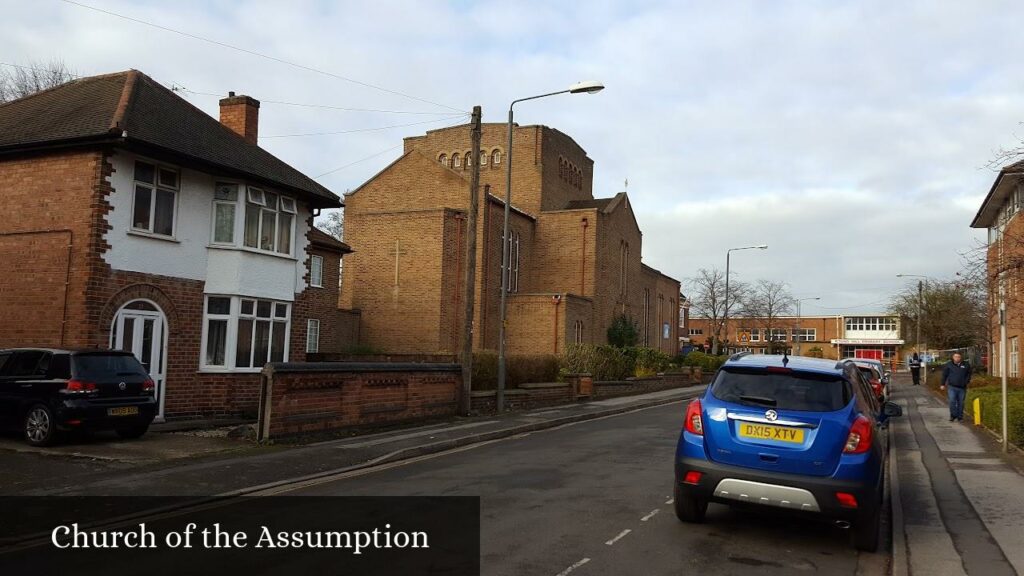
column 595, row 498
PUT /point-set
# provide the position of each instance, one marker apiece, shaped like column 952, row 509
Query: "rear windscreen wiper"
column 759, row 400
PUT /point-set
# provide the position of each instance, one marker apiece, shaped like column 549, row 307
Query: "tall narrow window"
column 495, row 157
column 316, row 271
column 443, row 159
column 578, row 332
column 456, row 160
column 218, row 314
column 156, row 193
column 647, row 316
column 312, row 336
column 225, row 201
column 1014, row 369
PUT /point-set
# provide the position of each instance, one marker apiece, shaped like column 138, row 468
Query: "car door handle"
column 26, row 385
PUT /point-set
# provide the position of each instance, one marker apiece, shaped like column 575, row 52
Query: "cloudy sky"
column 849, row 136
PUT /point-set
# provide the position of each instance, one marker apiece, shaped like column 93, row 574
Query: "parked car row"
column 44, row 392
column 792, row 434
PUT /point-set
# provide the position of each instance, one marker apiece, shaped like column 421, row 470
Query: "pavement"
column 179, row 464
column 960, row 502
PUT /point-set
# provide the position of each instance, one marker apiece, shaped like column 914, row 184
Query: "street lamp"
column 588, row 87
column 799, row 320
column 725, row 313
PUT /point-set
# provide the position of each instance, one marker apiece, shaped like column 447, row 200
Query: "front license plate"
column 123, row 411
column 767, row 432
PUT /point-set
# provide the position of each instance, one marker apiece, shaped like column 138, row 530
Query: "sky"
column 852, row 137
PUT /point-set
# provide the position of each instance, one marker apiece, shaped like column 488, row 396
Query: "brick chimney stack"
column 242, row 115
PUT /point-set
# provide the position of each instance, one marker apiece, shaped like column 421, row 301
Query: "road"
column 595, row 498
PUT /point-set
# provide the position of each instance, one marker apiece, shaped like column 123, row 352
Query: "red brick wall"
column 319, row 397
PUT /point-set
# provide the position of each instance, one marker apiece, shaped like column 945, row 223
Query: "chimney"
column 242, row 115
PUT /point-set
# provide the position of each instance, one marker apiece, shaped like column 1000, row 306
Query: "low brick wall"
column 317, row 396
column 525, row 397
column 617, row 388
column 394, row 358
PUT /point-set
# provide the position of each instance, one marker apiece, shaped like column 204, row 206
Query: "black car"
column 46, row 391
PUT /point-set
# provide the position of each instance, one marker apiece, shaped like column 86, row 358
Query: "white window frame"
column 312, row 344
column 775, row 333
column 696, row 331
column 1014, row 367
column 233, row 203
column 231, row 344
column 495, row 157
column 316, row 271
column 755, row 334
column 805, row 334
column 456, row 160
column 256, row 196
column 155, row 187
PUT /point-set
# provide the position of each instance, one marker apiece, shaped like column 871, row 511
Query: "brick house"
column 574, row 259
column 144, row 224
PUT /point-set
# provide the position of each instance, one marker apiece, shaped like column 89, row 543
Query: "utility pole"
column 469, row 280
column 1002, row 361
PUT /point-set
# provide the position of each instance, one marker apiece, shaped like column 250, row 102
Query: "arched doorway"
column 140, row 327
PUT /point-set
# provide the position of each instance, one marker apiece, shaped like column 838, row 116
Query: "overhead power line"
column 352, row 131
column 179, row 87
column 262, row 55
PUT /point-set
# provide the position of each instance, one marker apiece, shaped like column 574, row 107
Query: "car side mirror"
column 887, row 374
column 891, row 409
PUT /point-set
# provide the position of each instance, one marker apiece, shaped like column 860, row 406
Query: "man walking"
column 956, row 375
column 915, row 369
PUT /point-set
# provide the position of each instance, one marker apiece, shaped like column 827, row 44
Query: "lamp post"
column 589, row 87
column 799, row 320
column 920, row 308
column 725, row 313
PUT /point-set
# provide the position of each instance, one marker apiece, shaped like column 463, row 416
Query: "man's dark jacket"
column 956, row 375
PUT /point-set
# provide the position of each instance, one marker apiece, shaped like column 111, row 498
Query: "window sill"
column 251, row 251
column 152, row 236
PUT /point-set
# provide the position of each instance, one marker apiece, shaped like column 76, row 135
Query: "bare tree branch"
column 18, row 82
column 709, row 300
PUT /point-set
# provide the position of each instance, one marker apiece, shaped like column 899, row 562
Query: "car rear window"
column 783, row 391
column 868, row 372
column 98, row 366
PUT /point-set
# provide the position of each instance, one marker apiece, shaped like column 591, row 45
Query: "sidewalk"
column 958, row 506
column 244, row 474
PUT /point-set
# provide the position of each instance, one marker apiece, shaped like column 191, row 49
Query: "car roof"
column 65, row 350
column 801, row 363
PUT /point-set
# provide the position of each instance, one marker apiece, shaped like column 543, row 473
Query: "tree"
column 766, row 302
column 709, row 300
column 334, row 224
column 20, row 81
column 623, row 332
column 951, row 315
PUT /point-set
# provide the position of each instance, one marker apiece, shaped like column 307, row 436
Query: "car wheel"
column 39, row 426
column 132, row 432
column 689, row 508
column 866, row 530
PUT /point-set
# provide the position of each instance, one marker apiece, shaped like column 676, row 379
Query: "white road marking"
column 649, row 516
column 619, row 537
column 573, row 567
column 670, row 500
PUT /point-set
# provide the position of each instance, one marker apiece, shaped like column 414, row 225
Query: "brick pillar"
column 242, row 115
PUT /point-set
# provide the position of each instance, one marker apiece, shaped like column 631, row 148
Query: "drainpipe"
column 556, row 300
column 583, row 258
column 459, row 219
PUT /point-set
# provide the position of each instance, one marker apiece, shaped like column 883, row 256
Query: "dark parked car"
column 796, row 435
column 46, row 391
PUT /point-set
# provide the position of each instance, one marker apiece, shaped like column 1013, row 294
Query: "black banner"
column 362, row 536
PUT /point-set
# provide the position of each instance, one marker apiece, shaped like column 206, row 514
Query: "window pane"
column 284, row 234
column 224, row 223
column 247, row 306
column 271, row 200
column 252, row 225
column 268, row 230
column 312, row 336
column 218, row 305
column 144, row 172
column 263, row 308
column 244, row 349
column 147, row 344
column 143, row 198
column 262, row 343
column 316, row 271
column 164, row 217
column 277, row 346
column 280, row 310
column 168, row 178
column 216, row 342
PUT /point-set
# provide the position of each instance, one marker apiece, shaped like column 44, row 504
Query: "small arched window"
column 495, row 157
column 443, row 159
column 483, row 158
column 469, row 160
column 456, row 160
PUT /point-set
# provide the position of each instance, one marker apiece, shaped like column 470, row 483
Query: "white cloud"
column 848, row 135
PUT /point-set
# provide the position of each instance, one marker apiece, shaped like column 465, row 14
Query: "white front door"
column 139, row 328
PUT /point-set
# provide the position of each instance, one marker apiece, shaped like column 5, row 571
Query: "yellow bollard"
column 977, row 411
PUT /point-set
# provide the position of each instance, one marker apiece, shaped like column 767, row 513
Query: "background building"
column 574, row 260
column 863, row 336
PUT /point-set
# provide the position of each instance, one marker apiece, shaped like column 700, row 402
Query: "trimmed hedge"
column 606, row 362
column 707, row 362
column 992, row 410
column 519, row 369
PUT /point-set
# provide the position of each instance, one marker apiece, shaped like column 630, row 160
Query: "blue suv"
column 791, row 433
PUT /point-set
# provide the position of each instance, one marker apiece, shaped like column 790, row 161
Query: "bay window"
column 241, row 333
column 269, row 221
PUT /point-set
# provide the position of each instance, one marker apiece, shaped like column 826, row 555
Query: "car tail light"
column 877, row 387
column 149, row 386
column 846, row 500
column 78, row 387
column 692, row 477
column 859, row 440
column 693, row 423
